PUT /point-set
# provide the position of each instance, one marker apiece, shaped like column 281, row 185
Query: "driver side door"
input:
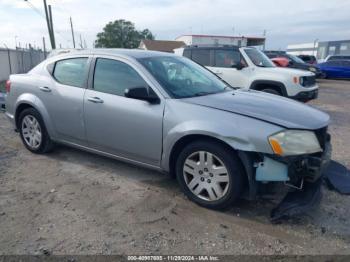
column 125, row 127
column 224, row 64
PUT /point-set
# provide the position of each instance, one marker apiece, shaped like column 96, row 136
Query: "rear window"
column 201, row 57
column 227, row 58
column 71, row 72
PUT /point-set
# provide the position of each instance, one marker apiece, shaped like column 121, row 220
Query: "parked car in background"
column 309, row 59
column 336, row 68
column 295, row 62
column 170, row 114
column 280, row 61
column 249, row 68
column 337, row 57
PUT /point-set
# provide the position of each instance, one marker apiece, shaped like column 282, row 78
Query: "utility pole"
column 44, row 46
column 52, row 41
column 71, row 26
column 81, row 42
column 264, row 34
column 51, row 24
column 48, row 16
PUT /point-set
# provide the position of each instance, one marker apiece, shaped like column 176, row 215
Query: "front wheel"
column 210, row 174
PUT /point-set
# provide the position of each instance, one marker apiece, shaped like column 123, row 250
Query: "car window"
column 346, row 63
column 71, row 72
column 181, row 77
column 334, row 63
column 187, row 53
column 201, row 57
column 227, row 58
column 113, row 77
column 338, row 57
column 258, row 58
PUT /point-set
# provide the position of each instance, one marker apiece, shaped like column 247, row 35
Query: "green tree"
column 121, row 34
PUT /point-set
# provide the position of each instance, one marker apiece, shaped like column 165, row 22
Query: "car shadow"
column 257, row 210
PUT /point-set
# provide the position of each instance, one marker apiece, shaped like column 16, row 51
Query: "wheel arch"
column 185, row 140
column 30, row 101
column 276, row 85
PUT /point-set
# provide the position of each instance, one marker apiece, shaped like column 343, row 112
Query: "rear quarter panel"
column 24, row 90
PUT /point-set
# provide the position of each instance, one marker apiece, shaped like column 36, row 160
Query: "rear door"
column 333, row 68
column 63, row 97
column 118, row 125
column 345, row 69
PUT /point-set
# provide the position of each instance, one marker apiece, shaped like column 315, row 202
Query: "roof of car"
column 135, row 53
column 212, row 47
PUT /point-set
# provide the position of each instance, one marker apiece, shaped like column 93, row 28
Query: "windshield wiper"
column 203, row 93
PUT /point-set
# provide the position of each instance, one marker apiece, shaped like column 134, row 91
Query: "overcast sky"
column 286, row 21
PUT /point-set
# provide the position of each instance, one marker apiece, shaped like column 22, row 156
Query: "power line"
column 35, row 9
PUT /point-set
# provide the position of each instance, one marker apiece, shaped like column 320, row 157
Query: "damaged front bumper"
column 301, row 174
column 294, row 170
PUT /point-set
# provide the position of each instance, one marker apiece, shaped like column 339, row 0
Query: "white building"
column 303, row 49
column 201, row 40
column 321, row 49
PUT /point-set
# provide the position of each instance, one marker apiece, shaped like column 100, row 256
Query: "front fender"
column 239, row 132
column 35, row 102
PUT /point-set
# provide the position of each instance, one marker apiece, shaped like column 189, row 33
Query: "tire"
column 271, row 91
column 210, row 178
column 30, row 125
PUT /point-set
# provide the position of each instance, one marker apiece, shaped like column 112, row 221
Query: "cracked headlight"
column 294, row 142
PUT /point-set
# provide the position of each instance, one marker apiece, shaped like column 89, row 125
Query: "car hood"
column 305, row 66
column 266, row 107
column 288, row 71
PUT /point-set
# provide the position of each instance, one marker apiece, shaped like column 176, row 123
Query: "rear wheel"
column 209, row 174
column 33, row 132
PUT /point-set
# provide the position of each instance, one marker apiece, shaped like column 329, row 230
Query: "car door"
column 126, row 127
column 333, row 68
column 224, row 65
column 62, row 95
column 345, row 69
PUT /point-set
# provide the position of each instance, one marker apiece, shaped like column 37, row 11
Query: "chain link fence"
column 18, row 61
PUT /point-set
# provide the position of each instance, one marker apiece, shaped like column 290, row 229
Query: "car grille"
column 308, row 81
column 322, row 136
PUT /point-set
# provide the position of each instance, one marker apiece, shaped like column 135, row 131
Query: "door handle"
column 45, row 89
column 218, row 73
column 95, row 100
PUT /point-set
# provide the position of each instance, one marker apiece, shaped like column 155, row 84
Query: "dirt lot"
column 72, row 202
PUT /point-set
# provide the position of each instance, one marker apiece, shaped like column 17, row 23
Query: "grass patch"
column 2, row 86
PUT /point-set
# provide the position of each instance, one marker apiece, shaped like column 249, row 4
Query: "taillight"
column 8, row 86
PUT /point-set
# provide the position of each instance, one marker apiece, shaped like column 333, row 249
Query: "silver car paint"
column 143, row 133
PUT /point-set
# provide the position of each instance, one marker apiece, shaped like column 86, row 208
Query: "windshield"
column 258, row 57
column 181, row 77
column 295, row 59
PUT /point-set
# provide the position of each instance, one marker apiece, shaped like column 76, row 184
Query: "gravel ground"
column 73, row 202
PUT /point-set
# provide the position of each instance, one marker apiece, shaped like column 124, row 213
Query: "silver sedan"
column 168, row 113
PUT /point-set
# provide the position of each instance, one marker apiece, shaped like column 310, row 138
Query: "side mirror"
column 239, row 66
column 142, row 93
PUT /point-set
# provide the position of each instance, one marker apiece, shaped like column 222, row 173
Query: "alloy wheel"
column 206, row 176
column 31, row 131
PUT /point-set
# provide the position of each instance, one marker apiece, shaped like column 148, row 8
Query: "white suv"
column 249, row 68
